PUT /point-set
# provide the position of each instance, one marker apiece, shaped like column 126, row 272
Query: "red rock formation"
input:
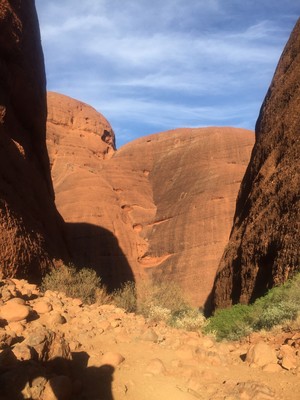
column 194, row 175
column 79, row 139
column 264, row 250
column 29, row 228
column 162, row 205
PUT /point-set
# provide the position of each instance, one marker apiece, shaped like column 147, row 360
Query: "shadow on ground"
column 57, row 379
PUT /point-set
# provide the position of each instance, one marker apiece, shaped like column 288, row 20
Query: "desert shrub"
column 279, row 305
column 190, row 319
column 164, row 301
column 230, row 323
column 164, row 295
column 83, row 283
column 275, row 314
column 159, row 301
column 125, row 297
column 158, row 313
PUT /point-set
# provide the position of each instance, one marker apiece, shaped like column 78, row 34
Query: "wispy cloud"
column 164, row 64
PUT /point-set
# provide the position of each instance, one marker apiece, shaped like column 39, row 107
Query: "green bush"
column 279, row 305
column 230, row 323
column 274, row 314
column 83, row 283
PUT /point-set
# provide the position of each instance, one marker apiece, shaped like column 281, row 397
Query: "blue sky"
column 149, row 66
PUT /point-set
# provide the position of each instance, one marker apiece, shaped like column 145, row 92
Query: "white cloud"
column 164, row 64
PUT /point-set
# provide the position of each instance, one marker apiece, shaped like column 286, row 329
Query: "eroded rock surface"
column 263, row 249
column 30, row 228
column 189, row 179
column 79, row 140
column 162, row 205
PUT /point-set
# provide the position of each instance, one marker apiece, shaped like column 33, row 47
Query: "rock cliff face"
column 79, row 140
column 192, row 177
column 264, row 249
column 161, row 206
column 30, row 225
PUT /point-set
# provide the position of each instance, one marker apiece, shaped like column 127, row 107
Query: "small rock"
column 16, row 300
column 289, row 362
column 272, row 368
column 5, row 294
column 16, row 327
column 50, row 345
column 37, row 387
column 57, row 319
column 150, row 336
column 42, row 307
column 14, row 312
column 23, row 352
column 5, row 339
column 261, row 354
column 113, row 359
column 156, row 367
column 288, row 358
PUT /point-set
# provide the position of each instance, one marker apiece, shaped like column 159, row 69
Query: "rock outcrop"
column 263, row 249
column 191, row 178
column 79, row 140
column 162, row 205
column 30, row 229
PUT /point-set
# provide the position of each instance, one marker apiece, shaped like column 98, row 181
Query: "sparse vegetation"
column 279, row 305
column 83, row 283
column 125, row 297
column 159, row 301
column 164, row 301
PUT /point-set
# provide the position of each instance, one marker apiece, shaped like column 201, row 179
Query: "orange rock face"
column 29, row 223
column 80, row 141
column 189, row 180
column 263, row 250
column 161, row 206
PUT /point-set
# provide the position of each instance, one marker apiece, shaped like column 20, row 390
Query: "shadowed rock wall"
column 30, row 227
column 264, row 249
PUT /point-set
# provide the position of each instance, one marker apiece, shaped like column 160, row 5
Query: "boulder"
column 14, row 312
column 261, row 354
column 288, row 358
